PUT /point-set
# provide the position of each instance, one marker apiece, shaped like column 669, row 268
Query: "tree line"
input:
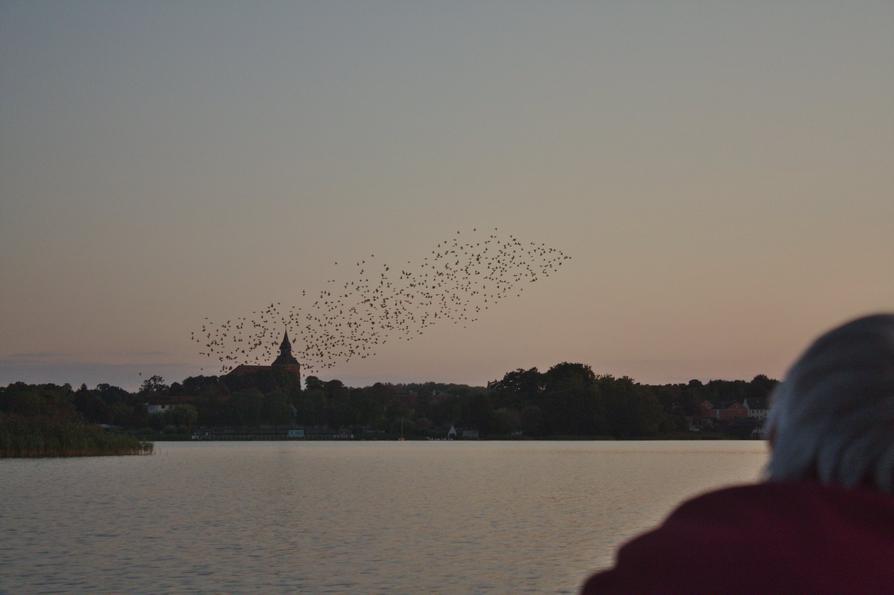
column 45, row 421
column 567, row 400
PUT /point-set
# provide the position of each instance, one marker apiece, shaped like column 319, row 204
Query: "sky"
column 721, row 173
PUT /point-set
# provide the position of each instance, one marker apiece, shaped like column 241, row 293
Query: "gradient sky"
column 722, row 173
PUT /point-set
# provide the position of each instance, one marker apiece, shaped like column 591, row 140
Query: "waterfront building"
column 756, row 409
column 730, row 411
column 284, row 361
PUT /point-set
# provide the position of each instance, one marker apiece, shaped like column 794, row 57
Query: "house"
column 451, row 433
column 706, row 410
column 757, row 408
column 730, row 411
column 158, row 408
column 727, row 411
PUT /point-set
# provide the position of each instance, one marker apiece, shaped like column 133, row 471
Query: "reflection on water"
column 349, row 516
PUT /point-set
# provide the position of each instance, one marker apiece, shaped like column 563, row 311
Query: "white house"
column 758, row 411
column 156, row 409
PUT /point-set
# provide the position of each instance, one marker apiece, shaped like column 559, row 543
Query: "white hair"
column 832, row 418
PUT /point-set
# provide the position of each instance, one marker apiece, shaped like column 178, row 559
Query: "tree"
column 313, row 383
column 154, row 385
column 630, row 409
column 310, row 407
column 532, row 420
column 182, row 416
column 759, row 388
column 567, row 373
column 247, row 407
column 517, row 387
column 569, row 400
column 277, row 410
column 506, row 421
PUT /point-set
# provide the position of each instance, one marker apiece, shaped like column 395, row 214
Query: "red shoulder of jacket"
column 769, row 536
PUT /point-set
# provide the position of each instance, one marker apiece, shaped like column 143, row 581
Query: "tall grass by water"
column 35, row 437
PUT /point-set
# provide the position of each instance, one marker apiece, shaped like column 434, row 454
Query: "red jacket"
column 763, row 538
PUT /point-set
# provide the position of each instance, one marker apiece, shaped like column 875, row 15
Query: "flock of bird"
column 456, row 283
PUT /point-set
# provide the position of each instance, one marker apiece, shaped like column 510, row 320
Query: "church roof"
column 244, row 369
column 285, row 358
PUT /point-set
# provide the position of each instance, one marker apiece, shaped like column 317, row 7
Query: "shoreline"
column 144, row 449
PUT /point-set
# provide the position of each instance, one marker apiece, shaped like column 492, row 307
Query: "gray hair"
column 832, row 418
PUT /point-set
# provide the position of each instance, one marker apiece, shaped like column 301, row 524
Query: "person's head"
column 832, row 418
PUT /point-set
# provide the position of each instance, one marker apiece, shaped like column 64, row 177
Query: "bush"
column 43, row 437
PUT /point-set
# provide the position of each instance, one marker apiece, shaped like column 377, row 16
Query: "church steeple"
column 285, row 352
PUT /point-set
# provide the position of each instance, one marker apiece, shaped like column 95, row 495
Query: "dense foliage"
column 43, row 420
column 568, row 400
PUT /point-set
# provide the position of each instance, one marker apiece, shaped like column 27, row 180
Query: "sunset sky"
column 722, row 174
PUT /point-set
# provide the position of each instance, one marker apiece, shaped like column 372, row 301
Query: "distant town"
column 258, row 402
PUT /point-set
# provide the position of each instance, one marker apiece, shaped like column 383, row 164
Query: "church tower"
column 285, row 358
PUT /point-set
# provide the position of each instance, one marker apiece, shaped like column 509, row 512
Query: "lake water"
column 345, row 516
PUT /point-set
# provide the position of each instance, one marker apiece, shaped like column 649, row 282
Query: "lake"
column 346, row 516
